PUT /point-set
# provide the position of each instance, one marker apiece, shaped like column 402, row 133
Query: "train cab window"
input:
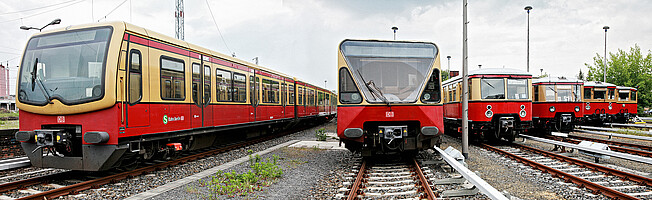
column 224, row 85
column 517, row 89
column 492, row 88
column 633, row 96
column 612, row 94
column 550, row 92
column 565, row 93
column 207, row 84
column 536, row 93
column 196, row 83
column 599, row 94
column 173, row 78
column 239, row 87
column 135, row 77
column 291, row 91
column 587, row 93
column 432, row 92
column 623, row 95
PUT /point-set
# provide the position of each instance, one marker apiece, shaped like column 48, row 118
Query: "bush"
column 232, row 183
column 321, row 134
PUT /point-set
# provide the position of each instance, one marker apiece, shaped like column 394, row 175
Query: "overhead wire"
column 20, row 18
column 218, row 28
column 27, row 10
column 123, row 2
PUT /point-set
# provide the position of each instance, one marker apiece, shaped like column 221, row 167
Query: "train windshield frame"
column 68, row 66
column 388, row 71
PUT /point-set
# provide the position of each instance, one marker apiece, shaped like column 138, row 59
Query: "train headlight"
column 577, row 108
column 623, row 105
column 552, row 109
column 522, row 113
column 489, row 114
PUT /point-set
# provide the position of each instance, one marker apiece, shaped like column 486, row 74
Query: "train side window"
column 633, row 96
column 196, row 83
column 135, row 77
column 349, row 92
column 267, row 90
column 623, row 95
column 173, row 77
column 550, row 93
column 224, row 85
column 291, row 91
column 274, row 93
column 587, row 93
column 207, row 84
column 283, row 93
column 239, row 87
column 492, row 88
column 300, row 97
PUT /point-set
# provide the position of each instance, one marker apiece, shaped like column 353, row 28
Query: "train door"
column 196, row 110
column 254, row 95
column 208, row 110
column 284, row 96
column 137, row 111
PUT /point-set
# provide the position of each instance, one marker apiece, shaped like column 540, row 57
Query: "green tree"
column 631, row 68
column 445, row 75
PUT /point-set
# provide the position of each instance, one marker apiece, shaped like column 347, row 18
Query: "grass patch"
column 9, row 114
column 262, row 173
column 321, row 134
column 627, row 132
column 11, row 124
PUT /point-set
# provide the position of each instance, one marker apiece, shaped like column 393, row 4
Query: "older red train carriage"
column 557, row 104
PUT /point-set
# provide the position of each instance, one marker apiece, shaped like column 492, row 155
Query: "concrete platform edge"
column 175, row 184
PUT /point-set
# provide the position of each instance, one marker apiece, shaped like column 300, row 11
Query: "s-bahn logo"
column 171, row 119
column 389, row 114
column 61, row 119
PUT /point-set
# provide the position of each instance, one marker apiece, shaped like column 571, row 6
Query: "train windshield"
column 68, row 66
column 517, row 89
column 389, row 71
column 623, row 95
column 563, row 93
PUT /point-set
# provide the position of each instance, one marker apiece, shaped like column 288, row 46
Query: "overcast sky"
column 300, row 37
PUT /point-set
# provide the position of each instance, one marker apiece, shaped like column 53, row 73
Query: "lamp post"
column 528, row 8
column 325, row 83
column 449, row 64
column 479, row 66
column 541, row 72
column 395, row 29
column 53, row 22
column 605, row 53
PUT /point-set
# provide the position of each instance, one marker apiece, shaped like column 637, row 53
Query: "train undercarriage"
column 394, row 138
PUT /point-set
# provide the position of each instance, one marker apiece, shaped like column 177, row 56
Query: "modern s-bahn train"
column 389, row 96
column 600, row 102
column 500, row 104
column 557, row 104
column 94, row 97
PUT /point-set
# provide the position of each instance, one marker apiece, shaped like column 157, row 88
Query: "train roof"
column 562, row 80
column 625, row 88
column 173, row 41
column 598, row 84
column 491, row 71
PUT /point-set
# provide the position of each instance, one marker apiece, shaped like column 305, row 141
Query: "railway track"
column 599, row 179
column 13, row 163
column 615, row 146
column 396, row 181
column 84, row 181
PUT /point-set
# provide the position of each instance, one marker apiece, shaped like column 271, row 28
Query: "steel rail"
column 424, row 181
column 469, row 175
column 33, row 181
column 14, row 163
column 596, row 188
column 625, row 156
column 355, row 188
column 615, row 130
column 616, row 135
column 612, row 147
column 96, row 183
column 621, row 174
column 623, row 144
column 629, row 125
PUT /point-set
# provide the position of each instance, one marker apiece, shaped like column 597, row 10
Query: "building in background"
column 7, row 101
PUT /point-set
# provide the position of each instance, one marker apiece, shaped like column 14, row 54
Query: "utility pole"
column 465, row 85
column 528, row 8
column 605, row 53
column 178, row 24
column 395, row 29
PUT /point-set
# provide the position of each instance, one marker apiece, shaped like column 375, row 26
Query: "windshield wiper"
column 487, row 82
column 41, row 86
column 374, row 90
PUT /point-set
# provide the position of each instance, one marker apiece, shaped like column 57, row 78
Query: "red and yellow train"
column 500, row 104
column 557, row 104
column 389, row 96
column 94, row 97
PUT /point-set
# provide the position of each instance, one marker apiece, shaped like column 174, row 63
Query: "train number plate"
column 389, row 114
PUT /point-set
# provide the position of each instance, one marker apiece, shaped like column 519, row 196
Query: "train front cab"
column 626, row 104
column 500, row 104
column 599, row 102
column 557, row 104
column 389, row 99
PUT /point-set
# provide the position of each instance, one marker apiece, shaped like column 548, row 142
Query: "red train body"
column 142, row 91
column 557, row 104
column 389, row 96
